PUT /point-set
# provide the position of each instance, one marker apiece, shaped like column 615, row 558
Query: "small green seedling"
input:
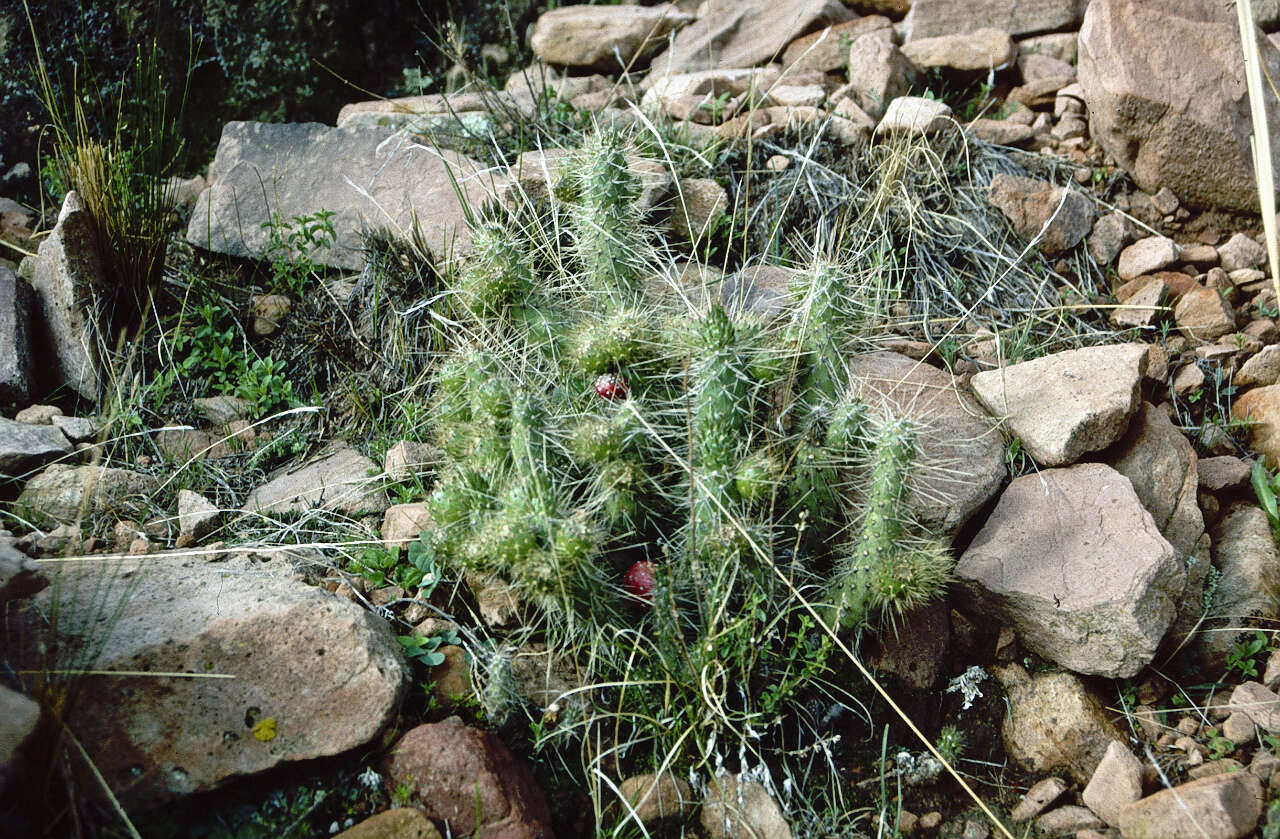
column 1242, row 657
column 426, row 648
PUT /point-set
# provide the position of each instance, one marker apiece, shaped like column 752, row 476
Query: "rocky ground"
column 1045, row 217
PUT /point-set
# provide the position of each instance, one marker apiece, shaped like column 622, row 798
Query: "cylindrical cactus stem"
column 875, row 549
column 609, row 343
column 497, row 275
column 825, row 330
column 602, row 190
column 847, row 427
column 721, row 412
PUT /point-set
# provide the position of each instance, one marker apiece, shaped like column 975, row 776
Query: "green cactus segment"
column 824, row 327
column 813, row 490
column 604, row 224
column 611, row 343
column 720, row 419
column 757, row 476
column 847, row 427
column 497, row 275
column 864, row 582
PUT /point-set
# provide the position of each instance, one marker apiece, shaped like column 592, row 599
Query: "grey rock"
column 1163, row 468
column 738, row 806
column 1248, row 579
column 879, row 72
column 76, row 429
column 960, row 456
column 1036, row 68
column 19, row 575
column 1218, row 807
column 1074, row 564
column 1143, row 306
column 981, row 49
column 1260, row 369
column 1173, row 118
column 221, row 410
column 403, row 523
column 407, row 459
column 24, row 447
column 1223, row 472
column 1146, row 256
column 1241, row 251
column 699, row 202
column 1203, row 314
column 1059, row 45
column 928, row 18
column 67, row 274
column 742, row 33
column 18, row 718
column 916, row 115
column 1054, row 217
column 17, row 309
column 1259, row 703
column 655, row 797
column 1054, row 722
column 1116, row 783
column 38, row 414
column 608, row 37
column 1108, row 237
column 197, row 515
column 261, row 169
column 1068, row 820
column 827, row 50
column 1043, row 793
column 62, row 494
column 315, row 675
column 1066, row 404
column 341, row 480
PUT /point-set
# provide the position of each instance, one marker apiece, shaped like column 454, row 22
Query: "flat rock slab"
column 24, row 446
column 609, row 37
column 1223, row 806
column 314, row 674
column 17, row 362
column 343, row 481
column 928, row 18
column 368, row 177
column 1069, row 403
column 730, row 34
column 1073, row 562
column 960, row 456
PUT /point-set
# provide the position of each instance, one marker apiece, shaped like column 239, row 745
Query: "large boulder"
column 67, row 273
column 929, row 18
column 959, row 462
column 1066, row 404
column 368, row 178
column 608, row 37
column 732, row 34
column 1176, row 118
column 466, row 778
column 281, row 671
column 1071, row 560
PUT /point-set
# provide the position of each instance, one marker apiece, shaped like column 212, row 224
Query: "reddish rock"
column 466, row 778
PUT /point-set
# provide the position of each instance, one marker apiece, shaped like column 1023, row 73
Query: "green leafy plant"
column 1243, row 656
column 1266, row 487
column 292, row 248
column 264, row 386
column 425, row 648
